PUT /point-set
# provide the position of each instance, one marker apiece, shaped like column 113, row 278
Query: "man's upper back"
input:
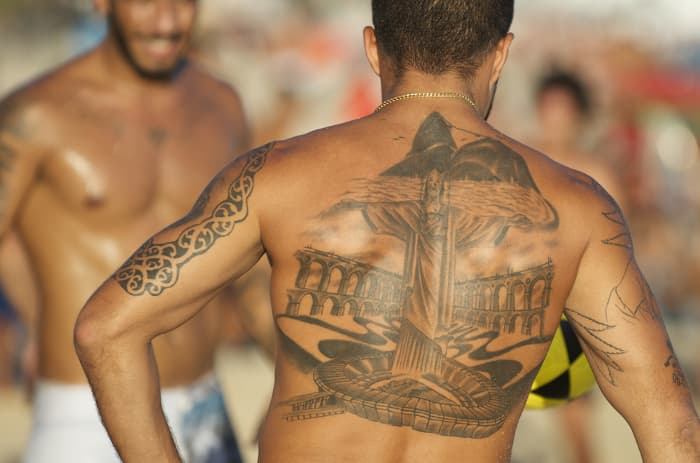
column 421, row 264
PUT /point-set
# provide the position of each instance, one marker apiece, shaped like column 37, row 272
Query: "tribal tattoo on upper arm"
column 428, row 343
column 155, row 267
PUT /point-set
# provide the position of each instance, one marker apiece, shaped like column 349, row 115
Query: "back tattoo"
column 425, row 341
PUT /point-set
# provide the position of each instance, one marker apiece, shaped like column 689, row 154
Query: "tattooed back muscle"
column 422, row 274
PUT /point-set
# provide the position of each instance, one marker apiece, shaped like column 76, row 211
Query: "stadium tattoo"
column 422, row 342
column 155, row 267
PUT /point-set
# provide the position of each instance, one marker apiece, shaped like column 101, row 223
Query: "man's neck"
column 412, row 82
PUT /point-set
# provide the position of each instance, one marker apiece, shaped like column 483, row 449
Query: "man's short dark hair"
column 570, row 83
column 437, row 36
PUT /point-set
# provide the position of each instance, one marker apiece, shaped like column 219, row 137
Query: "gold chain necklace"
column 409, row 96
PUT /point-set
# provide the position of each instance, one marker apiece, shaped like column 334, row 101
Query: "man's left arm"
column 164, row 284
column 618, row 321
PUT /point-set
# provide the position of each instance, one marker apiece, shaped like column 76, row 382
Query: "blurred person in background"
column 94, row 157
column 384, row 235
column 564, row 110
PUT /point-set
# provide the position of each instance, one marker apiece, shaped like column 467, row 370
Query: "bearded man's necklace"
column 410, row 96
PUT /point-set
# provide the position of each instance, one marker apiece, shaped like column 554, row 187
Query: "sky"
column 667, row 19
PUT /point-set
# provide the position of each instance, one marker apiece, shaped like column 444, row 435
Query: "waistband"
column 56, row 401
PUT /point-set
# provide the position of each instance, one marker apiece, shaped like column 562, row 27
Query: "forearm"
column 684, row 446
column 691, row 435
column 124, row 378
column 671, row 442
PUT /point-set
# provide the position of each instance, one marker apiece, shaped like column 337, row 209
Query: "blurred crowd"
column 615, row 94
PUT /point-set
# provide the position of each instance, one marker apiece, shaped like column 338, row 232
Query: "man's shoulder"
column 212, row 87
column 214, row 98
column 570, row 188
column 33, row 102
column 325, row 141
column 23, row 108
column 590, row 195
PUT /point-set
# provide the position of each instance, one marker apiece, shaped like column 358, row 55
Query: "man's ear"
column 371, row 49
column 500, row 58
column 102, row 6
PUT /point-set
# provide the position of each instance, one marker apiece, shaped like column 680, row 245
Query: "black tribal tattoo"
column 155, row 267
column 425, row 347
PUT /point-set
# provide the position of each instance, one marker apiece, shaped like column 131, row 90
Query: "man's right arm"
column 165, row 283
column 619, row 324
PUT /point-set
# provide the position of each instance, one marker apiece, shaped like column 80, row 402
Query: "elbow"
column 89, row 335
column 106, row 327
column 690, row 436
column 97, row 330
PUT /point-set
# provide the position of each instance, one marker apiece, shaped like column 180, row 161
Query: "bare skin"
column 97, row 163
column 421, row 261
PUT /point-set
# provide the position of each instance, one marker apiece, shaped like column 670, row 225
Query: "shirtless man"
column 95, row 157
column 421, row 262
